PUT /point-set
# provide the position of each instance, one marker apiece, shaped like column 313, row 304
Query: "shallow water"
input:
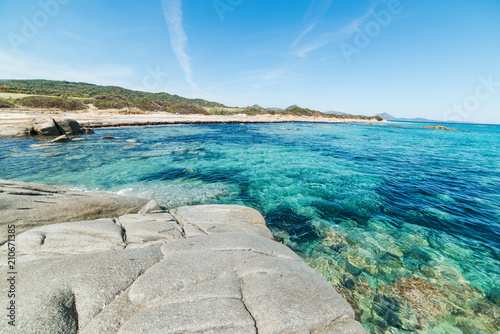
column 404, row 222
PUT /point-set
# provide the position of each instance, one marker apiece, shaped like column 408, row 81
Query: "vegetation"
column 109, row 102
column 85, row 90
column 62, row 103
column 6, row 104
column 74, row 96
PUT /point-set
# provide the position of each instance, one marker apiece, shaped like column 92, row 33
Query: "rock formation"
column 44, row 126
column 200, row 269
column 30, row 205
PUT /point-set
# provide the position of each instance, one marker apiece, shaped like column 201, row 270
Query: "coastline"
column 114, row 118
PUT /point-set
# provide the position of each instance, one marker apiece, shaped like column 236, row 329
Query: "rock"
column 112, row 276
column 222, row 218
column 85, row 131
column 151, row 207
column 108, row 137
column 29, row 205
column 70, row 126
column 438, row 127
column 46, row 126
column 16, row 130
column 152, row 229
column 62, row 294
column 61, row 139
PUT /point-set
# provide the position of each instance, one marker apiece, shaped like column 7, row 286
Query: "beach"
column 94, row 118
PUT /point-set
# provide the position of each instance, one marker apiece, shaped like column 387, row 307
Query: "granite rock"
column 30, row 205
column 142, row 273
column 46, row 126
column 70, row 126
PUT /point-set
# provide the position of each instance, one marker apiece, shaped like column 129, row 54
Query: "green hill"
column 85, row 90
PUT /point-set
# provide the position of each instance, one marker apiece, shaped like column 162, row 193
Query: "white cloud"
column 305, row 32
column 327, row 38
column 20, row 66
column 172, row 10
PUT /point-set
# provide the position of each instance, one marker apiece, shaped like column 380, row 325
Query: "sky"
column 410, row 58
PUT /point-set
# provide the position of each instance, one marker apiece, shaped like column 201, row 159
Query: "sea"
column 403, row 221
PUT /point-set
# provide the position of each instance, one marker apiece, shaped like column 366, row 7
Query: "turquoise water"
column 403, row 221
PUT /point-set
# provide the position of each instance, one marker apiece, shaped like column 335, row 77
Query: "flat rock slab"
column 222, row 218
column 28, row 205
column 169, row 273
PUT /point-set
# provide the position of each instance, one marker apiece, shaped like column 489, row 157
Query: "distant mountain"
column 389, row 117
column 275, row 109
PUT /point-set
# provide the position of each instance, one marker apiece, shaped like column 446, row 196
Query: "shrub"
column 50, row 102
column 6, row 104
column 146, row 104
column 110, row 102
column 184, row 108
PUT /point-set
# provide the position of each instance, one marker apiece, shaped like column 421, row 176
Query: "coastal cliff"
column 197, row 269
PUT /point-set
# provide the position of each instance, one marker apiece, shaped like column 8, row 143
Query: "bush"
column 110, row 102
column 185, row 108
column 51, row 102
column 146, row 104
column 298, row 111
column 6, row 104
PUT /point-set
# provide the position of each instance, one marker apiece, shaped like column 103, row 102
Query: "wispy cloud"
column 19, row 66
column 317, row 8
column 172, row 10
column 330, row 37
column 305, row 32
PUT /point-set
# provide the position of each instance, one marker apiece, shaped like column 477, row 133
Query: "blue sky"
column 434, row 59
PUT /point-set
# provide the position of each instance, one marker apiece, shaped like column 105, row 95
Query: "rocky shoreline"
column 198, row 269
column 20, row 122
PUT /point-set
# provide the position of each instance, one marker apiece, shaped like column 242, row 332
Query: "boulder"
column 70, row 126
column 86, row 131
column 29, row 205
column 46, row 126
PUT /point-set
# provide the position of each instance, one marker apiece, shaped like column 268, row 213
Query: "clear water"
column 404, row 222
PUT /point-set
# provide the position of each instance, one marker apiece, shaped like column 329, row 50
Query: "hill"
column 389, row 117
column 85, row 90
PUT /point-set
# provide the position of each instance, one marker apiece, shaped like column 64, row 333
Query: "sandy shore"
column 116, row 118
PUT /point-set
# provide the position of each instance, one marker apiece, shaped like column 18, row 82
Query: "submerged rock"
column 61, row 139
column 438, row 127
column 86, row 131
